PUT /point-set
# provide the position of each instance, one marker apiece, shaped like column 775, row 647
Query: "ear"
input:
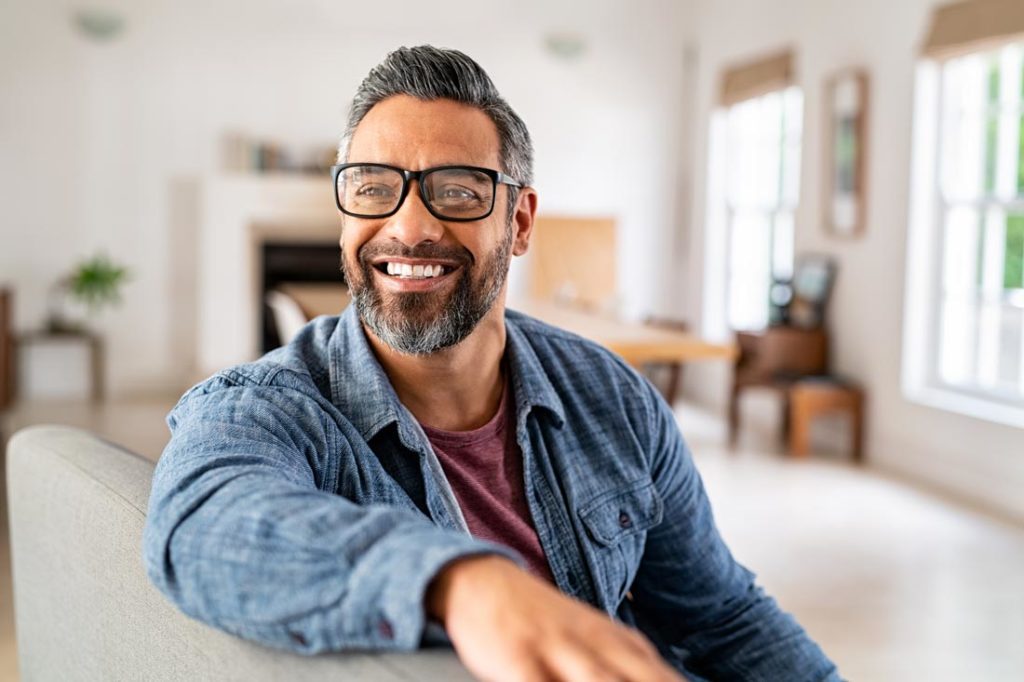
column 523, row 219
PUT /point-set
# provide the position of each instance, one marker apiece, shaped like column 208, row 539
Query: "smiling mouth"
column 411, row 271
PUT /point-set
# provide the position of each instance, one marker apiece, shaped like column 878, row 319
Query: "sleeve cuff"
column 389, row 595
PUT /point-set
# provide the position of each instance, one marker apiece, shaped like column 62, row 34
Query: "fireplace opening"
column 307, row 271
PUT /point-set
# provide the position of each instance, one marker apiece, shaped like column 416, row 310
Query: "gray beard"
column 407, row 326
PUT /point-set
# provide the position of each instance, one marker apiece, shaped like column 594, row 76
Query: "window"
column 754, row 187
column 965, row 338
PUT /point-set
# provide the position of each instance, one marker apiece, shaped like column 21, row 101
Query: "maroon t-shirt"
column 485, row 470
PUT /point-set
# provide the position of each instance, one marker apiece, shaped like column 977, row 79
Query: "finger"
column 572, row 662
column 519, row 671
column 632, row 658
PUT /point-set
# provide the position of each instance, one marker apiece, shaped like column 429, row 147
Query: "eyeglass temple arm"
column 508, row 180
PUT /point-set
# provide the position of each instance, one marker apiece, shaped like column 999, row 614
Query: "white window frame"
column 921, row 377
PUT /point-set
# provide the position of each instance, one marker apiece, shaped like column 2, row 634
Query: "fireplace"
column 288, row 220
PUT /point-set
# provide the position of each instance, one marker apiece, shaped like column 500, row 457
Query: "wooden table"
column 92, row 342
column 636, row 342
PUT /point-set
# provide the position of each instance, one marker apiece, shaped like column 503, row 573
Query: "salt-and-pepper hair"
column 430, row 73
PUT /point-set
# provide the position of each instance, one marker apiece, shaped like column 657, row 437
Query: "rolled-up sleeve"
column 698, row 599
column 246, row 533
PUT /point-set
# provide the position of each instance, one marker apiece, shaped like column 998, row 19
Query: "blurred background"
column 809, row 207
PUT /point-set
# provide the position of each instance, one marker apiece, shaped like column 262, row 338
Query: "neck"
column 455, row 389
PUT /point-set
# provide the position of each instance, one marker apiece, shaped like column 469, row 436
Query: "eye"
column 374, row 191
column 457, row 193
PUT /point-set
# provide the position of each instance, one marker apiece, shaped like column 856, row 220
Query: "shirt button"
column 570, row 578
column 384, row 629
column 624, row 520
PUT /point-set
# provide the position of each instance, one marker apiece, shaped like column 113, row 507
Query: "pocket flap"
column 612, row 516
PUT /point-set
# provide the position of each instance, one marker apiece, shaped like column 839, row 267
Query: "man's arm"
column 244, row 532
column 697, row 597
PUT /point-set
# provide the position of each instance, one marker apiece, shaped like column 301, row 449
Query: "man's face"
column 424, row 314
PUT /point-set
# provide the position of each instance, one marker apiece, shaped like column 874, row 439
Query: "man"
column 429, row 459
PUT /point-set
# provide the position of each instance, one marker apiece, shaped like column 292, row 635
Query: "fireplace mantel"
column 237, row 213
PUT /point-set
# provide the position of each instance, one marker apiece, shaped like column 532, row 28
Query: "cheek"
column 352, row 239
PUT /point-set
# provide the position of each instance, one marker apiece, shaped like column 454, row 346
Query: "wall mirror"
column 846, row 107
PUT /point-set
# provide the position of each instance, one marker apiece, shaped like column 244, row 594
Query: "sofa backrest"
column 84, row 608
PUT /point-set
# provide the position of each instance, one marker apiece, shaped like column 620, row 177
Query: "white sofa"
column 84, row 608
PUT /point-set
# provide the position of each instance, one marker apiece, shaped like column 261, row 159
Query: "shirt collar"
column 363, row 392
column 360, row 388
column 530, row 382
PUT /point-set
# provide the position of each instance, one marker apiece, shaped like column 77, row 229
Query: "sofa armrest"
column 84, row 609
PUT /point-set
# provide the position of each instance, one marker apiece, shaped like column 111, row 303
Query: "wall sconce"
column 565, row 46
column 98, row 25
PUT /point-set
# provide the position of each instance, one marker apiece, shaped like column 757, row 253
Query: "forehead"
column 413, row 134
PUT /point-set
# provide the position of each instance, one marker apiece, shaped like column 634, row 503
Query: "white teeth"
column 414, row 271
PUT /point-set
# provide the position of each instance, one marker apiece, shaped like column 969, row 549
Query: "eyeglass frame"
column 497, row 178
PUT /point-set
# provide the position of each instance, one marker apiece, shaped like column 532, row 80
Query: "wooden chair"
column 775, row 359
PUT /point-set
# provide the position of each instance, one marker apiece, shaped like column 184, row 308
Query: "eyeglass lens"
column 375, row 191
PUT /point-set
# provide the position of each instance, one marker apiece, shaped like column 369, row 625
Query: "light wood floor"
column 894, row 582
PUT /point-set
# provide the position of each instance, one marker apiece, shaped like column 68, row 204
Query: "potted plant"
column 92, row 285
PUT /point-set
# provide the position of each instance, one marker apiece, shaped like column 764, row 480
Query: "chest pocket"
column 617, row 523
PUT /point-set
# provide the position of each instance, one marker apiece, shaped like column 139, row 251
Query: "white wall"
column 974, row 458
column 95, row 138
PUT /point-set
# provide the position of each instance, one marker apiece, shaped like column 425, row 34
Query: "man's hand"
column 507, row 625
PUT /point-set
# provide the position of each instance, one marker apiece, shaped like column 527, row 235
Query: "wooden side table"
column 96, row 355
column 7, row 369
column 809, row 398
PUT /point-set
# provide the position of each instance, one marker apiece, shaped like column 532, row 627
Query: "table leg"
column 799, row 426
column 97, row 369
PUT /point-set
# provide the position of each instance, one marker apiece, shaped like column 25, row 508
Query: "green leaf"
column 96, row 282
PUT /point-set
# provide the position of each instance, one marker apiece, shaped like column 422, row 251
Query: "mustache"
column 371, row 251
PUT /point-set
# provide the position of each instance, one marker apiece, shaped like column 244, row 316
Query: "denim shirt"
column 299, row 504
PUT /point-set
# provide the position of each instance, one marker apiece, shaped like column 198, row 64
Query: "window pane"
column 1020, row 156
column 991, row 124
column 960, row 253
column 769, row 160
column 1008, row 377
column 754, row 149
column 958, row 325
column 792, row 125
column 1013, row 259
column 749, row 276
column 964, row 117
column 782, row 246
column 1007, row 153
column 1020, row 137
column 991, row 149
column 956, row 341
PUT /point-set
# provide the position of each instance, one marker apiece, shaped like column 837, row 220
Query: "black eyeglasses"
column 457, row 193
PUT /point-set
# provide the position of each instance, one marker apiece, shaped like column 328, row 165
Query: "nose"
column 414, row 224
